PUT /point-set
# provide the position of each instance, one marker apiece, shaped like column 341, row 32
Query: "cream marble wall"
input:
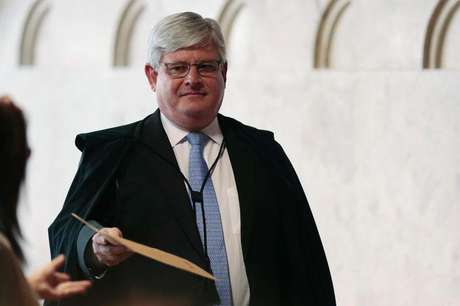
column 374, row 141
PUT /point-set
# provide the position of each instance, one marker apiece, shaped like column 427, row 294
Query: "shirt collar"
column 176, row 134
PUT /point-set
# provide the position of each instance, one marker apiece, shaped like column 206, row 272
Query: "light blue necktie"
column 215, row 237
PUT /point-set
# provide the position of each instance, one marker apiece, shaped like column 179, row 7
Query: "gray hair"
column 183, row 30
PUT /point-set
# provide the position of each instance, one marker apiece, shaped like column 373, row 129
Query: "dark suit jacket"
column 128, row 177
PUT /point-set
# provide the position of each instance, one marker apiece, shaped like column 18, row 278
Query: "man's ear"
column 224, row 72
column 151, row 75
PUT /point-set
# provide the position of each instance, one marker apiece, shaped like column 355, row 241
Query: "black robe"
column 128, row 177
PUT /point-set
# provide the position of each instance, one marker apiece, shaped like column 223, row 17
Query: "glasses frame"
column 189, row 66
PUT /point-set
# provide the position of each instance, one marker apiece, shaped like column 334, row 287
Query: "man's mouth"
column 193, row 93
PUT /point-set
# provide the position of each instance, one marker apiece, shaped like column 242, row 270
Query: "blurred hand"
column 109, row 253
column 48, row 283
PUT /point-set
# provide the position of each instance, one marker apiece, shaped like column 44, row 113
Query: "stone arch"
column 230, row 11
column 125, row 28
column 31, row 29
column 326, row 30
column 436, row 32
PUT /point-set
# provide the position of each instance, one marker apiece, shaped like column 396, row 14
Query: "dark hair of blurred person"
column 46, row 282
column 14, row 152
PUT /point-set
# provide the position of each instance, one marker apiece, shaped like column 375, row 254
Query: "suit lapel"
column 243, row 163
column 170, row 179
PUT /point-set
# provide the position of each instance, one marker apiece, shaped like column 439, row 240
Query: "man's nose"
column 193, row 77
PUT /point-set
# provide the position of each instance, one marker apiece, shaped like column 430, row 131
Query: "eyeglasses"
column 181, row 69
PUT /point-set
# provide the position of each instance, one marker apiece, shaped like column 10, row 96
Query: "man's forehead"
column 189, row 55
column 208, row 52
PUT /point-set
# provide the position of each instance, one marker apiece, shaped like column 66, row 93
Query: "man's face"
column 191, row 101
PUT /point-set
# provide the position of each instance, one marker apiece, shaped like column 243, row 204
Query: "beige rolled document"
column 152, row 253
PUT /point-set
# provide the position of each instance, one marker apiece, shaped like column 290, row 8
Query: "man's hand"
column 48, row 283
column 108, row 253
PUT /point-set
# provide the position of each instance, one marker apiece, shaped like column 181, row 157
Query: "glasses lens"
column 208, row 68
column 177, row 69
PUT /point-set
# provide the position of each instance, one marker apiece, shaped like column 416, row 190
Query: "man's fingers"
column 108, row 251
column 101, row 236
column 101, row 239
column 113, row 231
column 110, row 259
column 111, row 249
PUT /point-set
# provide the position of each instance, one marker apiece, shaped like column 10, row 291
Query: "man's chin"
column 195, row 108
column 197, row 119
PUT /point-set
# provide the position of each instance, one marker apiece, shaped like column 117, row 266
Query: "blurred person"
column 46, row 282
column 194, row 183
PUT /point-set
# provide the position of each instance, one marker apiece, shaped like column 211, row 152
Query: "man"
column 194, row 183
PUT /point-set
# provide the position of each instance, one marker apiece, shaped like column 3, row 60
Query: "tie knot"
column 197, row 139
